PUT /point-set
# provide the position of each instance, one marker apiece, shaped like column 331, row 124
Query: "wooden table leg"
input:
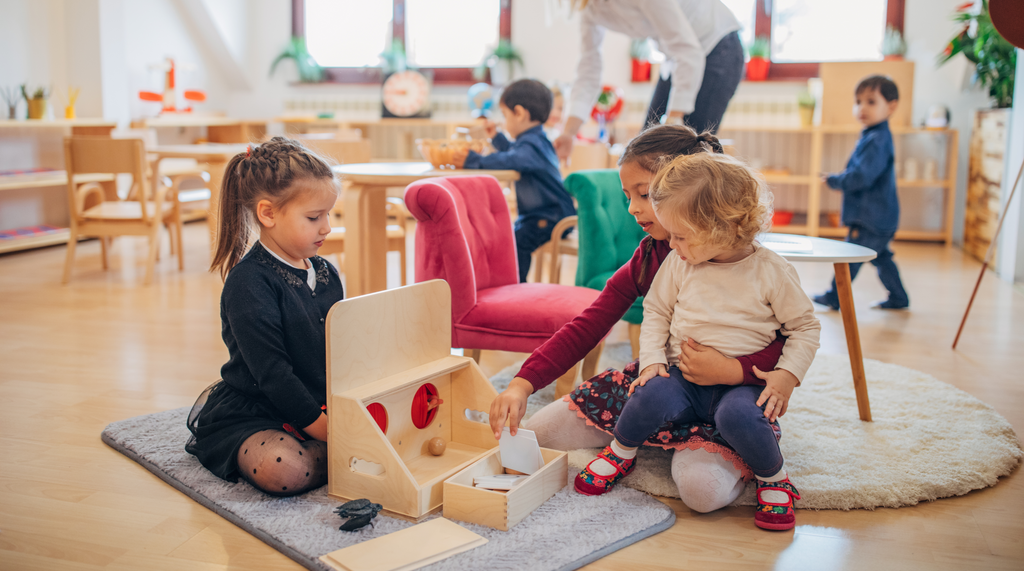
column 365, row 240
column 844, row 289
column 215, row 168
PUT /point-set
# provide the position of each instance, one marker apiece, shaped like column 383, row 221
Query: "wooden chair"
column 554, row 249
column 395, row 210
column 93, row 214
column 343, row 151
column 587, row 156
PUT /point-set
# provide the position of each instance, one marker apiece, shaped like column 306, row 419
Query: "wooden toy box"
column 388, row 359
column 500, row 509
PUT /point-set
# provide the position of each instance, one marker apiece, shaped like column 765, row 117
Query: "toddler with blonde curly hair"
column 726, row 291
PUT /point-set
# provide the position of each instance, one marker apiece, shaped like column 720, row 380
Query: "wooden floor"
column 75, row 358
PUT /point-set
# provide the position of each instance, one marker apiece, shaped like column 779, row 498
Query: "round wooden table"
column 365, row 222
column 840, row 255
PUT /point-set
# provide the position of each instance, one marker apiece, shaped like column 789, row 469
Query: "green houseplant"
column 36, row 101
column 993, row 57
column 893, row 45
column 759, row 61
column 309, row 70
column 502, row 63
column 806, row 102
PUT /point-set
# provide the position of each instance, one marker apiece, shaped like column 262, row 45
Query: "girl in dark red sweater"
column 709, row 474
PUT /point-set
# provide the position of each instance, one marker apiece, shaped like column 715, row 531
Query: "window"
column 447, row 37
column 803, row 33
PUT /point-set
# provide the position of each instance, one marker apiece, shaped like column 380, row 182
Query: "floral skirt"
column 599, row 401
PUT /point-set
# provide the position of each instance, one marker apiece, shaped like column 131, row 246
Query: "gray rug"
column 928, row 439
column 567, row 532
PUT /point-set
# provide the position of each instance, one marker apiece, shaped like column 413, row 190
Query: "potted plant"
column 994, row 61
column 759, row 61
column 993, row 57
column 309, row 70
column 502, row 63
column 10, row 96
column 640, row 55
column 893, row 45
column 806, row 102
column 392, row 60
column 36, row 102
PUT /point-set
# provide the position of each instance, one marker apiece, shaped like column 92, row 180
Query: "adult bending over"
column 700, row 457
column 704, row 65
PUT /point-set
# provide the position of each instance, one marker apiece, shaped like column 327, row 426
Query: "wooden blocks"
column 499, row 509
column 392, row 350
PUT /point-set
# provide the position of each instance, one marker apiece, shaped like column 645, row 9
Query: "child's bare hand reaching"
column 779, row 385
column 649, row 372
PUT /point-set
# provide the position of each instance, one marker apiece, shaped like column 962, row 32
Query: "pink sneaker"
column 776, row 516
column 590, row 484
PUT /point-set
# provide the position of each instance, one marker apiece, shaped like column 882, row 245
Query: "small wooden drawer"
column 503, row 509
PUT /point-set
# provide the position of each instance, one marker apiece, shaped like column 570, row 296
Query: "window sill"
column 374, row 76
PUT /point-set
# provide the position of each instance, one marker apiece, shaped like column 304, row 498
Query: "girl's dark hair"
column 656, row 147
column 266, row 171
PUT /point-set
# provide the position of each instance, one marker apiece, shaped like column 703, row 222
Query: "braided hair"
column 264, row 172
column 655, row 148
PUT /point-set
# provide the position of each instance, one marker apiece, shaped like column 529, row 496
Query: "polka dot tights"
column 279, row 464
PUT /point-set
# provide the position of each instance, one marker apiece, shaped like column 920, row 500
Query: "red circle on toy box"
column 424, row 405
column 379, row 415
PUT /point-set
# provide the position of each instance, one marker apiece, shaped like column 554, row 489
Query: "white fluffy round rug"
column 928, row 439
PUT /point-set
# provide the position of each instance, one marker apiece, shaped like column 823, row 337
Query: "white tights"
column 706, row 481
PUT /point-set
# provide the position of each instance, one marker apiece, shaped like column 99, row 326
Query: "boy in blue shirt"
column 540, row 196
column 871, row 209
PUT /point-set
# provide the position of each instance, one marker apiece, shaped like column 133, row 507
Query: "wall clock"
column 406, row 94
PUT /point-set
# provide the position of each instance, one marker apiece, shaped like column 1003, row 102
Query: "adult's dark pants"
column 723, row 70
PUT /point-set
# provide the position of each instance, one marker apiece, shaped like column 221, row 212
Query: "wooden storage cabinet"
column 792, row 158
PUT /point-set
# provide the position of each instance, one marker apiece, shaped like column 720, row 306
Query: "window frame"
column 373, row 75
column 803, row 70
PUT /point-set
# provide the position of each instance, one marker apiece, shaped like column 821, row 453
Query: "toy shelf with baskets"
column 791, row 158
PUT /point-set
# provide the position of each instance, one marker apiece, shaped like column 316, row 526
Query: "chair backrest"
column 104, row 155
column 609, row 235
column 587, row 156
column 463, row 236
column 344, row 152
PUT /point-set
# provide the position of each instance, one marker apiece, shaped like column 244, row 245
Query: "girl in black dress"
column 266, row 419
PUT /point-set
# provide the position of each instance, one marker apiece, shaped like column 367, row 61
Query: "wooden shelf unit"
column 807, row 151
column 40, row 198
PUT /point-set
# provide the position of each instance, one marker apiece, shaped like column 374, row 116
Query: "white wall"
column 45, row 42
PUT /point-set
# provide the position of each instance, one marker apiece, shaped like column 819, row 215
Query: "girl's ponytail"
column 267, row 171
column 234, row 220
column 711, row 142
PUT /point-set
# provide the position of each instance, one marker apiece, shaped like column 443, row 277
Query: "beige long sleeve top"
column 734, row 307
column 685, row 30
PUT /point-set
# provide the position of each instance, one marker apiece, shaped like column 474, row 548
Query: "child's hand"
column 318, row 429
column 824, row 177
column 510, row 404
column 649, row 372
column 779, row 385
column 490, row 128
column 484, row 128
column 706, row 366
column 459, row 157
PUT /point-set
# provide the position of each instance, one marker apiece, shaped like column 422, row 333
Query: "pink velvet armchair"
column 464, row 236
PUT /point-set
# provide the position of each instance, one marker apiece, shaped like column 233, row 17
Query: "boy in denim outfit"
column 540, row 196
column 871, row 209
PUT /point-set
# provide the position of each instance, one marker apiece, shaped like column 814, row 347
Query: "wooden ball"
column 437, row 446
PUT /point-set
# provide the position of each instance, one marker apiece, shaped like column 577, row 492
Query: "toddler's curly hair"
column 723, row 201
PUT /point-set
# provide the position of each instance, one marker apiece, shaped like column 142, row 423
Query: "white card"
column 520, row 452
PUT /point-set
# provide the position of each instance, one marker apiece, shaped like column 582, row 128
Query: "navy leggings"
column 723, row 70
column 732, row 409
